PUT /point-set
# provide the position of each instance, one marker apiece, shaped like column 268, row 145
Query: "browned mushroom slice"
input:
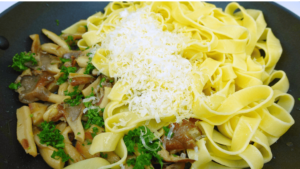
column 80, row 79
column 47, row 151
column 54, row 49
column 46, row 62
column 56, row 39
column 73, row 116
column 176, row 166
column 37, row 110
column 36, row 44
column 69, row 55
column 24, row 130
column 69, row 149
column 171, row 158
column 185, row 135
column 32, row 88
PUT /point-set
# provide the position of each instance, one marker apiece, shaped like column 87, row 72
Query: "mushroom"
column 79, row 79
column 170, row 158
column 73, row 116
column 56, row 39
column 24, row 131
column 185, row 136
column 33, row 88
column 54, row 49
column 36, row 44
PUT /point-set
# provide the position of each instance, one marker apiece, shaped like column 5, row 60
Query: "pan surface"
column 24, row 19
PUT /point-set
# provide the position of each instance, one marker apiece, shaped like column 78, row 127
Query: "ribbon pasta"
column 231, row 78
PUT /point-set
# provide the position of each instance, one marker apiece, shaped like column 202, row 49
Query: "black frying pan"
column 24, row 19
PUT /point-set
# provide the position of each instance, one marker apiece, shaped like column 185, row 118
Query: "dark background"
column 24, row 19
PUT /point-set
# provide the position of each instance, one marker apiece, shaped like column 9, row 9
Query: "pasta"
column 162, row 71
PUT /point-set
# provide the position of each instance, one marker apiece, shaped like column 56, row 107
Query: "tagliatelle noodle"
column 227, row 79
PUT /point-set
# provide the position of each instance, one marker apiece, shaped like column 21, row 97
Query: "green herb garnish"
column 66, row 71
column 14, row 86
column 133, row 139
column 101, row 81
column 63, row 60
column 86, row 28
column 103, row 155
column 94, row 118
column 61, row 154
column 95, row 131
column 166, row 129
column 89, row 67
column 57, row 22
column 20, row 59
column 75, row 97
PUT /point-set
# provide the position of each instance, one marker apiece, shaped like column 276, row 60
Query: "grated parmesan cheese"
column 160, row 78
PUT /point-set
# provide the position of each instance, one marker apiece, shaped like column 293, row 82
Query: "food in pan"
column 155, row 85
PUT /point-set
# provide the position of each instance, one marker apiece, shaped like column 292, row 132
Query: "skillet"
column 24, row 19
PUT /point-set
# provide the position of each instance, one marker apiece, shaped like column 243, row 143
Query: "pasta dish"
column 168, row 85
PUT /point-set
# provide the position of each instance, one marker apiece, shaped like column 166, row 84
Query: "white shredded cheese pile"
column 160, row 79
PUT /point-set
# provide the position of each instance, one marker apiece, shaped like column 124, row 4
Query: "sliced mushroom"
column 80, row 79
column 170, row 158
column 37, row 110
column 36, row 44
column 54, row 49
column 52, row 114
column 56, row 39
column 47, row 151
column 185, row 136
column 82, row 61
column 69, row 149
column 73, row 117
column 61, row 126
column 69, row 55
column 24, row 131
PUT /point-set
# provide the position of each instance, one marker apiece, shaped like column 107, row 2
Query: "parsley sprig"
column 89, row 67
column 95, row 131
column 75, row 97
column 133, row 139
column 66, row 71
column 51, row 136
column 93, row 118
column 167, row 129
column 14, row 86
column 20, row 59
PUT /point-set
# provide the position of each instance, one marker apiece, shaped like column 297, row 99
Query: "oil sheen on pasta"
column 176, row 60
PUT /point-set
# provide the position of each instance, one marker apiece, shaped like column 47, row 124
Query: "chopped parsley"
column 31, row 115
column 20, row 59
column 88, row 54
column 86, row 28
column 70, row 40
column 103, row 155
column 63, row 60
column 75, row 97
column 101, row 81
column 66, row 71
column 94, row 118
column 61, row 154
column 111, row 81
column 50, row 135
column 57, row 22
column 89, row 67
column 133, row 139
column 167, row 129
column 95, row 131
column 78, row 133
column 87, row 48
column 14, row 86
column 88, row 104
